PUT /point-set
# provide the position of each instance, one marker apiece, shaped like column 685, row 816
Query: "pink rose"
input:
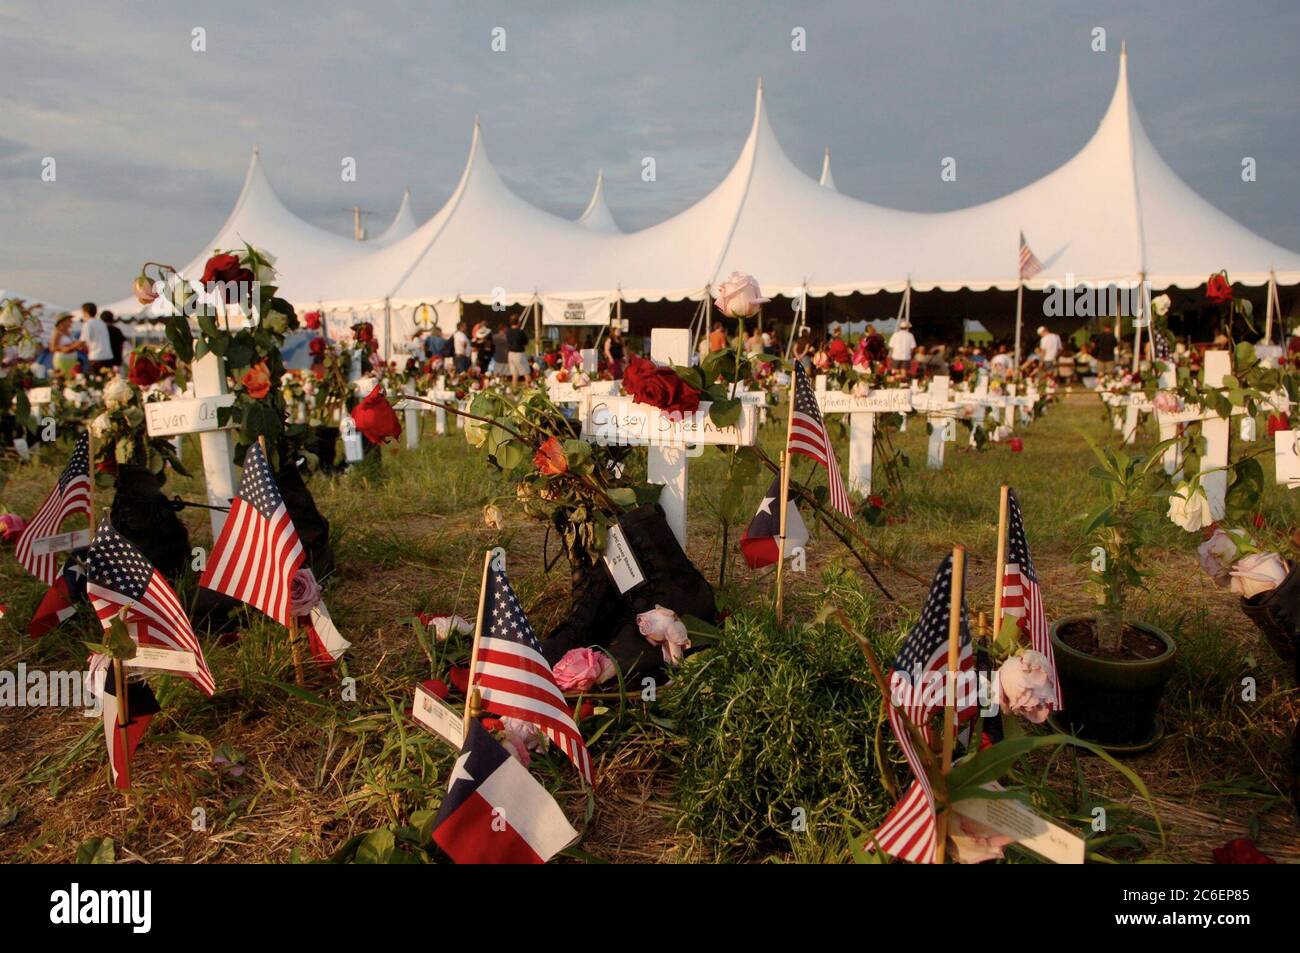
column 1257, row 573
column 1216, row 555
column 1027, row 687
column 304, row 592
column 1167, row 403
column 663, row 628
column 739, row 296
column 11, row 527
column 518, row 750
column 580, row 669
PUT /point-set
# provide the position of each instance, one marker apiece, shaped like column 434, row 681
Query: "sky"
column 151, row 138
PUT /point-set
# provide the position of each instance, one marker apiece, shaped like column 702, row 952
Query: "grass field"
column 772, row 720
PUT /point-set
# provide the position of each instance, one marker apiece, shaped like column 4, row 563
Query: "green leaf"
column 725, row 413
column 377, row 848
column 97, row 850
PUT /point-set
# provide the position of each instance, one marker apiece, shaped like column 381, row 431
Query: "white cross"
column 1215, row 429
column 441, row 396
column 199, row 415
column 670, row 439
column 940, row 410
column 862, row 412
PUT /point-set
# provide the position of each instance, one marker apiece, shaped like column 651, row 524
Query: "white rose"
column 117, row 394
column 100, row 426
column 1190, row 509
column 1026, row 685
column 1160, row 305
column 1217, row 555
column 663, row 628
column 1259, row 572
column 739, row 296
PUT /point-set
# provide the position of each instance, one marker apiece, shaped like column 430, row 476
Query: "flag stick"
column 1020, row 301
column 785, row 499
column 1004, row 503
column 950, row 696
column 295, row 641
column 471, row 694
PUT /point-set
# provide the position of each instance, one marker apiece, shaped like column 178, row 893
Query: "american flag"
column 1021, row 596
column 514, row 679
column 1029, row 263
column 918, row 686
column 70, row 495
column 119, row 577
column 808, row 436
column 258, row 551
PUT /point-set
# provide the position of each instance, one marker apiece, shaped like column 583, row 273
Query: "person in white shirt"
column 1002, row 362
column 901, row 345
column 1049, row 345
column 460, row 348
column 94, row 334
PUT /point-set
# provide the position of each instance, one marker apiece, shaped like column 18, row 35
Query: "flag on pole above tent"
column 1029, row 263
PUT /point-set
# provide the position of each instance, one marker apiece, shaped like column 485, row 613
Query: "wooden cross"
column 670, row 439
column 198, row 415
column 862, row 412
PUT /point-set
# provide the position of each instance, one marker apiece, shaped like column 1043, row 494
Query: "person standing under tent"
column 717, row 338
column 500, row 350
column 1049, row 348
column 873, row 344
column 803, row 349
column 460, row 349
column 901, row 345
column 614, row 351
column 94, row 335
column 1002, row 362
column 1103, row 348
column 516, row 341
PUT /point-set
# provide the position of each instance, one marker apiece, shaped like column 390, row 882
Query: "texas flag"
column 761, row 544
column 59, row 604
column 495, row 812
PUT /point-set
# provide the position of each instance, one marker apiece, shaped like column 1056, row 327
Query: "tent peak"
column 596, row 215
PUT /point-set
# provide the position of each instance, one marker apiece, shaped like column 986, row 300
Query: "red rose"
column 459, row 675
column 659, row 387
column 437, row 688
column 1242, row 850
column 585, row 710
column 364, row 333
column 1278, row 422
column 1218, row 289
column 550, row 459
column 316, row 346
column 1016, row 444
column 221, row 268
column 876, row 501
column 1259, row 521
column 143, row 371
column 257, row 381
column 376, row 419
column 311, row 320
column 493, row 724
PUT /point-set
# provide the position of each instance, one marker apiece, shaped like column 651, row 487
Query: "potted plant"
column 1113, row 668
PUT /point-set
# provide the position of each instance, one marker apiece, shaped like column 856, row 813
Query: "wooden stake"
column 950, row 693
column 1004, row 508
column 784, row 501
column 472, row 702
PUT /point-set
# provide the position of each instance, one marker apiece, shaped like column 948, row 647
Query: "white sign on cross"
column 862, row 410
column 670, row 439
column 198, row 415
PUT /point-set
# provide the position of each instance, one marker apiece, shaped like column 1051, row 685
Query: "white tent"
column 597, row 215
column 403, row 224
column 1112, row 213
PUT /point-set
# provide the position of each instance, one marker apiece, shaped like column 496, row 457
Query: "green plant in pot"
column 1113, row 668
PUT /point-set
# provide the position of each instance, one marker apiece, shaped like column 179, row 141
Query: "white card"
column 1015, row 819
column 1286, row 457
column 438, row 718
column 60, row 542
column 167, row 660
column 621, row 561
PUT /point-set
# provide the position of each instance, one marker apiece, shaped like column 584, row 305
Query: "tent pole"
column 388, row 330
column 1137, row 324
column 1268, row 308
column 1020, row 304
